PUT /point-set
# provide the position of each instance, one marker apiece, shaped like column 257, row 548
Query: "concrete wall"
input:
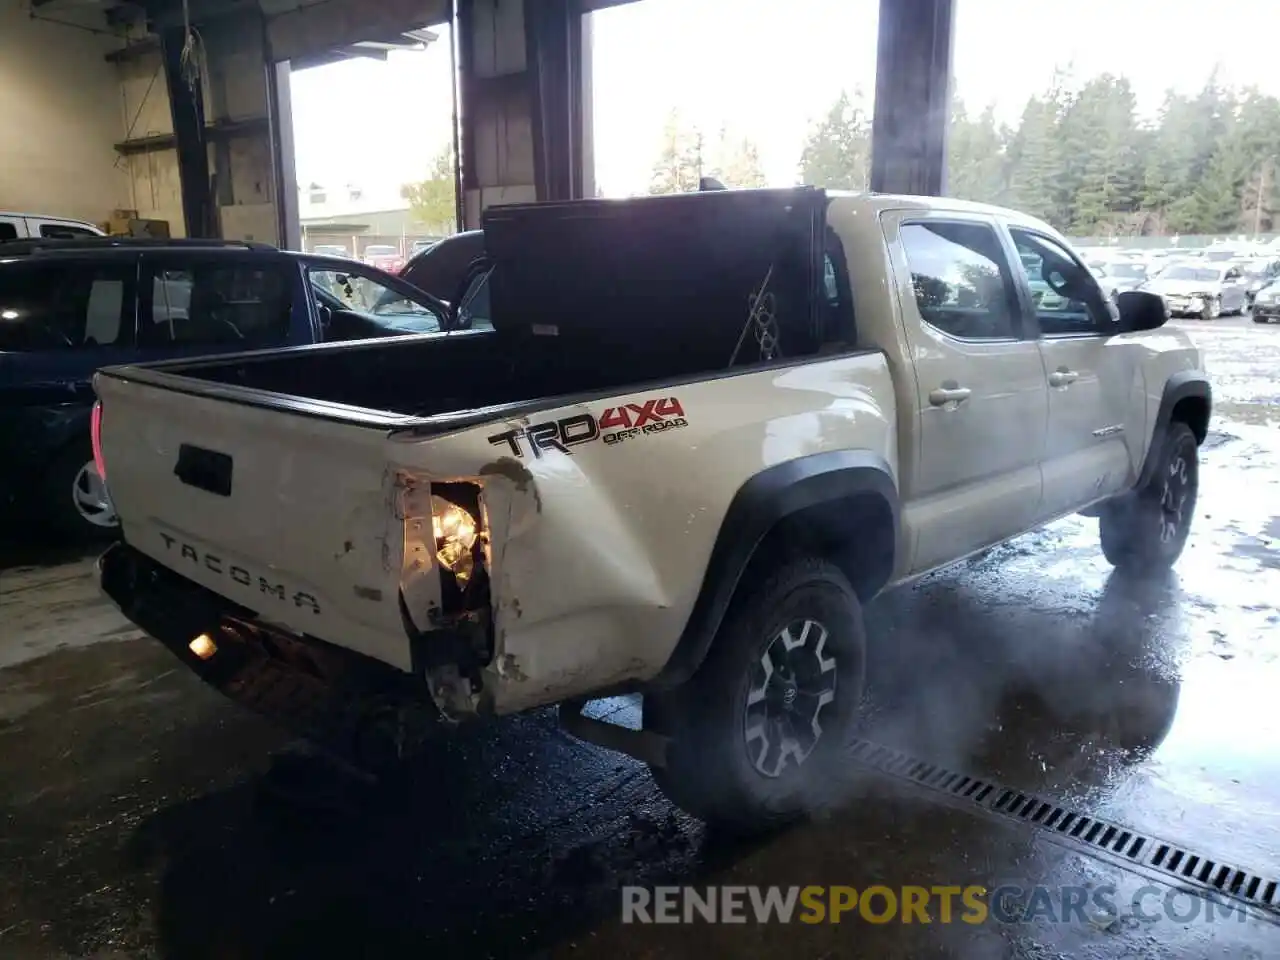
column 152, row 182
column 60, row 106
column 235, row 90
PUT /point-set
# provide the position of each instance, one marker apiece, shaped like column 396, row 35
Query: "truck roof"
column 879, row 202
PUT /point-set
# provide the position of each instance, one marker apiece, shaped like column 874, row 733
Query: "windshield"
column 1204, row 274
column 1134, row 270
column 362, row 306
column 1219, row 256
column 378, row 251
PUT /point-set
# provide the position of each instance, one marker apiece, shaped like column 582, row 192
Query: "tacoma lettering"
column 215, row 564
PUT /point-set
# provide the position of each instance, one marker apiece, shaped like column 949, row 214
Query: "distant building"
column 353, row 215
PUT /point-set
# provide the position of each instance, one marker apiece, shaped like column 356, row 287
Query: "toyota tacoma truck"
column 701, row 433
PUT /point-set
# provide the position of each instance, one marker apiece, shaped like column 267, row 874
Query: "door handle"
column 1062, row 377
column 948, row 394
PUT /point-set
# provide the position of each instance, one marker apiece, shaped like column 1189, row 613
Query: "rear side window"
column 839, row 326
column 218, row 303
column 961, row 280
column 64, row 231
column 68, row 306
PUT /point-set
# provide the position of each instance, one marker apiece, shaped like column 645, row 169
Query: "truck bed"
column 434, row 375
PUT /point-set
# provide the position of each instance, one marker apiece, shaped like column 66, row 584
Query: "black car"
column 442, row 268
column 69, row 307
column 1266, row 305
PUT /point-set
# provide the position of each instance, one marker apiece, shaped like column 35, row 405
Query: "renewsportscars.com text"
column 1006, row 904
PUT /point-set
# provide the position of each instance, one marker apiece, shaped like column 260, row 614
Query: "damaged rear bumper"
column 365, row 711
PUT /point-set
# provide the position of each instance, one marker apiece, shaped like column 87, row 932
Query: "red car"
column 384, row 257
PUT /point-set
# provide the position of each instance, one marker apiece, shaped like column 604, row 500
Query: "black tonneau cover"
column 676, row 267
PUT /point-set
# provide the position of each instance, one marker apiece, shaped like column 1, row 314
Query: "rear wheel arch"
column 841, row 506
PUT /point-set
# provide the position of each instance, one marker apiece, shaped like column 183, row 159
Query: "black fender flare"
column 1180, row 386
column 756, row 508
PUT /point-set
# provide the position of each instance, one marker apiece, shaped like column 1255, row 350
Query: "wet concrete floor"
column 135, row 823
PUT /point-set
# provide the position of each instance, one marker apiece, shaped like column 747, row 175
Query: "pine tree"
column 976, row 157
column 837, row 152
column 737, row 161
column 679, row 166
column 1035, row 160
column 1099, row 139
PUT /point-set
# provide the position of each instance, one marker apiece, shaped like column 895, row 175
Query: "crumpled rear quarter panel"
column 599, row 551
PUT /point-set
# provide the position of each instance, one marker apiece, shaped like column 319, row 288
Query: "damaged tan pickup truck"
column 698, row 434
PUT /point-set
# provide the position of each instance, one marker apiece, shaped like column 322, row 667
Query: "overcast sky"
column 740, row 63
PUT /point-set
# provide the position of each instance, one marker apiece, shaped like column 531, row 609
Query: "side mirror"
column 1141, row 310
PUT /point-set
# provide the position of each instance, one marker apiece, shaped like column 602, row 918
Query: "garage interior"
column 136, row 821
column 181, row 111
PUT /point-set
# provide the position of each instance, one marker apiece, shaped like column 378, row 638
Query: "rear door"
column 981, row 396
column 59, row 322
column 1091, row 377
column 194, row 303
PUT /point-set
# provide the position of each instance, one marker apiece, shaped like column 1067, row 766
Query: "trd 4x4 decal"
column 614, row 425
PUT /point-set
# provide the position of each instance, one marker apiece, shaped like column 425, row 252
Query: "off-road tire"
column 710, row 770
column 1134, row 529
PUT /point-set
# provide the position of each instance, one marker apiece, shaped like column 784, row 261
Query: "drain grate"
column 1162, row 857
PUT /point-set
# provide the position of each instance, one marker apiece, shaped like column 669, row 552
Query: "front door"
column 1093, row 377
column 974, row 476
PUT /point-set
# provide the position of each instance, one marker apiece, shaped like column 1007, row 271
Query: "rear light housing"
column 95, row 437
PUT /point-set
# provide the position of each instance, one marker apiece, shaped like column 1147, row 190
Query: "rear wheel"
column 758, row 732
column 1146, row 530
column 76, row 503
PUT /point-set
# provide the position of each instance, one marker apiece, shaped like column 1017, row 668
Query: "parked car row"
column 1219, row 280
column 69, row 307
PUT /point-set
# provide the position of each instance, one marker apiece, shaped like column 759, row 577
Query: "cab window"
column 1067, row 298
column 962, row 284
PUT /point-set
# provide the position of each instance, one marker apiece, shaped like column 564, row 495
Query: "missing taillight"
column 95, row 437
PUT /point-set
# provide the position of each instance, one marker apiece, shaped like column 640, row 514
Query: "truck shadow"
column 508, row 840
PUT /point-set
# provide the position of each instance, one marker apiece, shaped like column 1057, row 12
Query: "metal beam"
column 320, row 27
column 213, row 133
column 524, row 102
column 134, row 51
column 553, row 30
column 284, row 174
column 186, row 105
column 913, row 97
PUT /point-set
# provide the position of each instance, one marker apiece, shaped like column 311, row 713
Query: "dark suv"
column 70, row 307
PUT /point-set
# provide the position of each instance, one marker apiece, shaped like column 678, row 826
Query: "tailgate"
column 291, row 515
